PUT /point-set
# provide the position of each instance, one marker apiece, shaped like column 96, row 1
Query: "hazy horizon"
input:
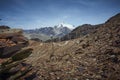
column 31, row 14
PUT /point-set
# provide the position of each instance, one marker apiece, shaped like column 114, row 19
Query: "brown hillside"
column 95, row 56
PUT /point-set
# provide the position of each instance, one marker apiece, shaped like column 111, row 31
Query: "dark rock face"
column 16, row 70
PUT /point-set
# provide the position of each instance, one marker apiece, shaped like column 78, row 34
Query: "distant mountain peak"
column 63, row 24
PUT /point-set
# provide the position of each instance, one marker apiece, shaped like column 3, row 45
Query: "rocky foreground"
column 12, row 54
column 95, row 56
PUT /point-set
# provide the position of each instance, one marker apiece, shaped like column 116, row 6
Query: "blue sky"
column 30, row 14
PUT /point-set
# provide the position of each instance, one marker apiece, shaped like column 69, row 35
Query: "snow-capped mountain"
column 65, row 25
column 56, row 31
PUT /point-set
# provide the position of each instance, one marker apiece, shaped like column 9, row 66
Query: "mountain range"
column 46, row 33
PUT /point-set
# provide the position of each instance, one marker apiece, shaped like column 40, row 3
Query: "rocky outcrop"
column 12, row 55
column 11, row 41
column 14, row 67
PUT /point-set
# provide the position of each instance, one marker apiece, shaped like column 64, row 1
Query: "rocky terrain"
column 94, row 56
column 12, row 54
column 90, row 55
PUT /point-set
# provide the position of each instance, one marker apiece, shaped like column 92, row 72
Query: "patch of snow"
column 61, row 25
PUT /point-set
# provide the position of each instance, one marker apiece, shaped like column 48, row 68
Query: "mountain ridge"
column 56, row 31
